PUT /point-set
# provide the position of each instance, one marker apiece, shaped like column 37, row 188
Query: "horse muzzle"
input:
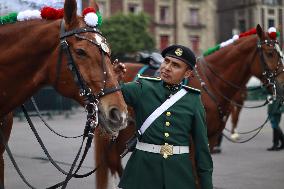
column 112, row 121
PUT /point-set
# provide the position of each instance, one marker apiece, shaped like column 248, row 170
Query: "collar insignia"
column 178, row 51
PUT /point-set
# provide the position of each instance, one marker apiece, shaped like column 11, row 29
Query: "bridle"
column 270, row 75
column 100, row 42
column 91, row 100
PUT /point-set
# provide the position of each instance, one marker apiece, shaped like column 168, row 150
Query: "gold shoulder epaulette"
column 191, row 89
column 148, row 78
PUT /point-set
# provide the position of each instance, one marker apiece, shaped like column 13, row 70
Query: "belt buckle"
column 166, row 150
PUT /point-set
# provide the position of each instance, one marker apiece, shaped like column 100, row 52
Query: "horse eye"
column 270, row 54
column 80, row 52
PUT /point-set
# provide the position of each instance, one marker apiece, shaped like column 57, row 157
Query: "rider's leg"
column 274, row 120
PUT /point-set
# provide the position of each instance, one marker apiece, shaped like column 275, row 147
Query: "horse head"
column 271, row 69
column 85, row 57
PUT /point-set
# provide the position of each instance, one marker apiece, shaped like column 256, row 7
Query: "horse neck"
column 26, row 51
column 233, row 64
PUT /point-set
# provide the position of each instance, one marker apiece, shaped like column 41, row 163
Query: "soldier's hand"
column 119, row 69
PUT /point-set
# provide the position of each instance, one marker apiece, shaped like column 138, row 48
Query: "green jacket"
column 274, row 107
column 186, row 117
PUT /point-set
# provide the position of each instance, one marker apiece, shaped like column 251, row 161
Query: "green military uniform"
column 186, row 117
column 274, row 113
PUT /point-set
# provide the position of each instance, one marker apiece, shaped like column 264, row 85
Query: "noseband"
column 84, row 89
column 268, row 74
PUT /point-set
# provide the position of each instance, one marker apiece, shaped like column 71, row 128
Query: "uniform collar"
column 172, row 88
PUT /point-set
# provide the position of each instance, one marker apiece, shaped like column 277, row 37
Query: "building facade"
column 187, row 22
column 236, row 16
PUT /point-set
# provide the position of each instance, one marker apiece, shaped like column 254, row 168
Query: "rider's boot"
column 281, row 138
column 275, row 141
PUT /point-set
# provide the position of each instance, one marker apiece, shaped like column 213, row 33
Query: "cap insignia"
column 178, row 51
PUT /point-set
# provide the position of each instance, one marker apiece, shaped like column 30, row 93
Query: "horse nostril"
column 114, row 116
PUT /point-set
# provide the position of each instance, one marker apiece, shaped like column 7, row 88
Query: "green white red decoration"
column 92, row 17
column 271, row 32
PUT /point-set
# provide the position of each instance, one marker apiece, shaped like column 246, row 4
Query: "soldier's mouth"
column 165, row 75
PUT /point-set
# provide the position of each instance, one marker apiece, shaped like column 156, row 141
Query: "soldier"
column 274, row 113
column 167, row 113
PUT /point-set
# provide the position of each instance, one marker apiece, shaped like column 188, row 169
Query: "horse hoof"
column 235, row 136
column 216, row 150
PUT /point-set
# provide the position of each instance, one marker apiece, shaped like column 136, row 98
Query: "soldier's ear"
column 188, row 73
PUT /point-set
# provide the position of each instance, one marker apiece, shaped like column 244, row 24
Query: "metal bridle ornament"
column 270, row 75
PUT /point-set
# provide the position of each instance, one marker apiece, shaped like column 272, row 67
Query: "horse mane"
column 236, row 39
column 234, row 49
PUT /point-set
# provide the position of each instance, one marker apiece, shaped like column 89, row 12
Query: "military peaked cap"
column 180, row 52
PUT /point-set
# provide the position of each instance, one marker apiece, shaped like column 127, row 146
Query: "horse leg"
column 108, row 157
column 123, row 137
column 101, row 144
column 213, row 141
column 193, row 163
column 6, row 127
column 235, row 119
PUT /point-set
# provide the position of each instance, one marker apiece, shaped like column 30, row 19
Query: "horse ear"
column 259, row 31
column 93, row 4
column 70, row 13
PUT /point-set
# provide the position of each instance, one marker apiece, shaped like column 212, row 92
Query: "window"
column 271, row 11
column 242, row 25
column 133, row 8
column 271, row 23
column 194, row 43
column 164, row 41
column 164, row 14
column 194, row 16
column 271, row 2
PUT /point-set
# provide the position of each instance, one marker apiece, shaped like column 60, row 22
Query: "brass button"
column 168, row 123
column 168, row 113
column 167, row 134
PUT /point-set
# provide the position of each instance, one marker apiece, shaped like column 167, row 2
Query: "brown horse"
column 30, row 59
column 254, row 55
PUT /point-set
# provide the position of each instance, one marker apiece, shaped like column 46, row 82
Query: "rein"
column 253, row 136
column 228, row 83
column 46, row 124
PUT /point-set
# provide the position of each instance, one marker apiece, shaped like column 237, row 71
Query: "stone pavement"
column 239, row 166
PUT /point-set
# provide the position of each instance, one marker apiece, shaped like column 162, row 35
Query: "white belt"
column 165, row 150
